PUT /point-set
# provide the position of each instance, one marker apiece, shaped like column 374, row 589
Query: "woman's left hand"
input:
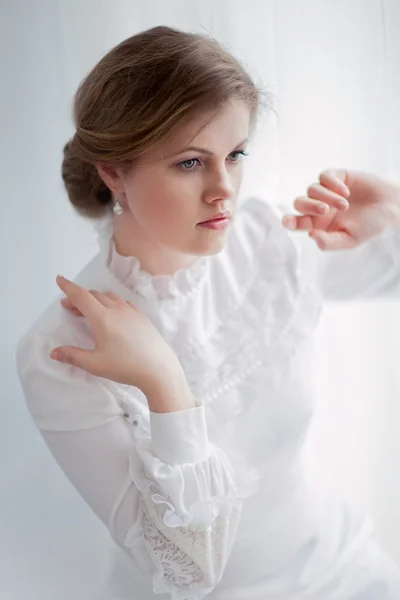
column 372, row 205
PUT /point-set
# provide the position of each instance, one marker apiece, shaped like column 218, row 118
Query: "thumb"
column 74, row 356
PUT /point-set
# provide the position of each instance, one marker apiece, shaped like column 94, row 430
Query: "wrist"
column 169, row 394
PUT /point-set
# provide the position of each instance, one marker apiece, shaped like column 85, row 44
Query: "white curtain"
column 333, row 69
column 337, row 67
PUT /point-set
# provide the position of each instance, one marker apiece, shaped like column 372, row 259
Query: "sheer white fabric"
column 211, row 501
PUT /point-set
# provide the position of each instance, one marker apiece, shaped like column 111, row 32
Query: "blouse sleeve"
column 372, row 270
column 169, row 497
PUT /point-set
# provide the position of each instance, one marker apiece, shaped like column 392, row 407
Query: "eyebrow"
column 204, row 150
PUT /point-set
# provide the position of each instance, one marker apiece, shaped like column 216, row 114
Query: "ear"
column 110, row 175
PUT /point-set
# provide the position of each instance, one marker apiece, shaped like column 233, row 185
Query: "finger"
column 114, row 297
column 307, row 206
column 104, row 298
column 335, row 179
column 132, row 305
column 67, row 304
column 298, row 223
column 81, row 299
column 332, row 240
column 73, row 355
column 319, row 192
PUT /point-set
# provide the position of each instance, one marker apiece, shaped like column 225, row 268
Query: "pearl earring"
column 118, row 209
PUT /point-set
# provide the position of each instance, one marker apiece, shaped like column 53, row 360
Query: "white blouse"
column 212, row 501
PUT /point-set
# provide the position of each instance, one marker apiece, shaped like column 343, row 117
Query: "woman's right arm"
column 163, row 482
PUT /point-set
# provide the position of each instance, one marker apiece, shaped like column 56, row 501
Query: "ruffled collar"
column 127, row 270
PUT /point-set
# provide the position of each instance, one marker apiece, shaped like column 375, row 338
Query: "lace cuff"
column 189, row 511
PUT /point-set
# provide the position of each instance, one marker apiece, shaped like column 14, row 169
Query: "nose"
column 220, row 186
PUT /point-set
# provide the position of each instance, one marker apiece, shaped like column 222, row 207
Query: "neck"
column 156, row 259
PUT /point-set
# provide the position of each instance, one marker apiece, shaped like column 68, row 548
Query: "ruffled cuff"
column 190, row 501
column 191, row 492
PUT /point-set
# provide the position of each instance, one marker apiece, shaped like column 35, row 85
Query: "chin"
column 212, row 248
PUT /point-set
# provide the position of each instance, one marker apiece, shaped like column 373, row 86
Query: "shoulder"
column 60, row 396
column 55, row 324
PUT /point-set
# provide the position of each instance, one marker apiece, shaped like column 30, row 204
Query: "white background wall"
column 333, row 66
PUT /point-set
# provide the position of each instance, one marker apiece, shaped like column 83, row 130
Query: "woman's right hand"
column 128, row 347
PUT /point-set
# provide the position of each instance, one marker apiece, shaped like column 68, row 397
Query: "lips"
column 221, row 217
column 216, row 220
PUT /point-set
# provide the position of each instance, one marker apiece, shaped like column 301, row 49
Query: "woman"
column 180, row 402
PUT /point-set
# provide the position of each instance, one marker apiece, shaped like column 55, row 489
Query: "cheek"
column 237, row 175
column 162, row 204
column 178, row 197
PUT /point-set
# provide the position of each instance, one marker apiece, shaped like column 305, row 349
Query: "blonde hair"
column 136, row 95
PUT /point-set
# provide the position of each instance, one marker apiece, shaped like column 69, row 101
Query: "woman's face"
column 173, row 188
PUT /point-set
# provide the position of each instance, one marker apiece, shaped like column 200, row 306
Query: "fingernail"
column 289, row 223
column 56, row 354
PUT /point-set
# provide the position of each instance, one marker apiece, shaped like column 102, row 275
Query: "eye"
column 237, row 154
column 187, row 165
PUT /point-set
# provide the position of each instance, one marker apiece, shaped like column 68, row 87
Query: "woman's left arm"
column 355, row 249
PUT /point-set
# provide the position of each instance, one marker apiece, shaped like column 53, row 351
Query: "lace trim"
column 127, row 271
column 185, row 558
column 252, row 347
